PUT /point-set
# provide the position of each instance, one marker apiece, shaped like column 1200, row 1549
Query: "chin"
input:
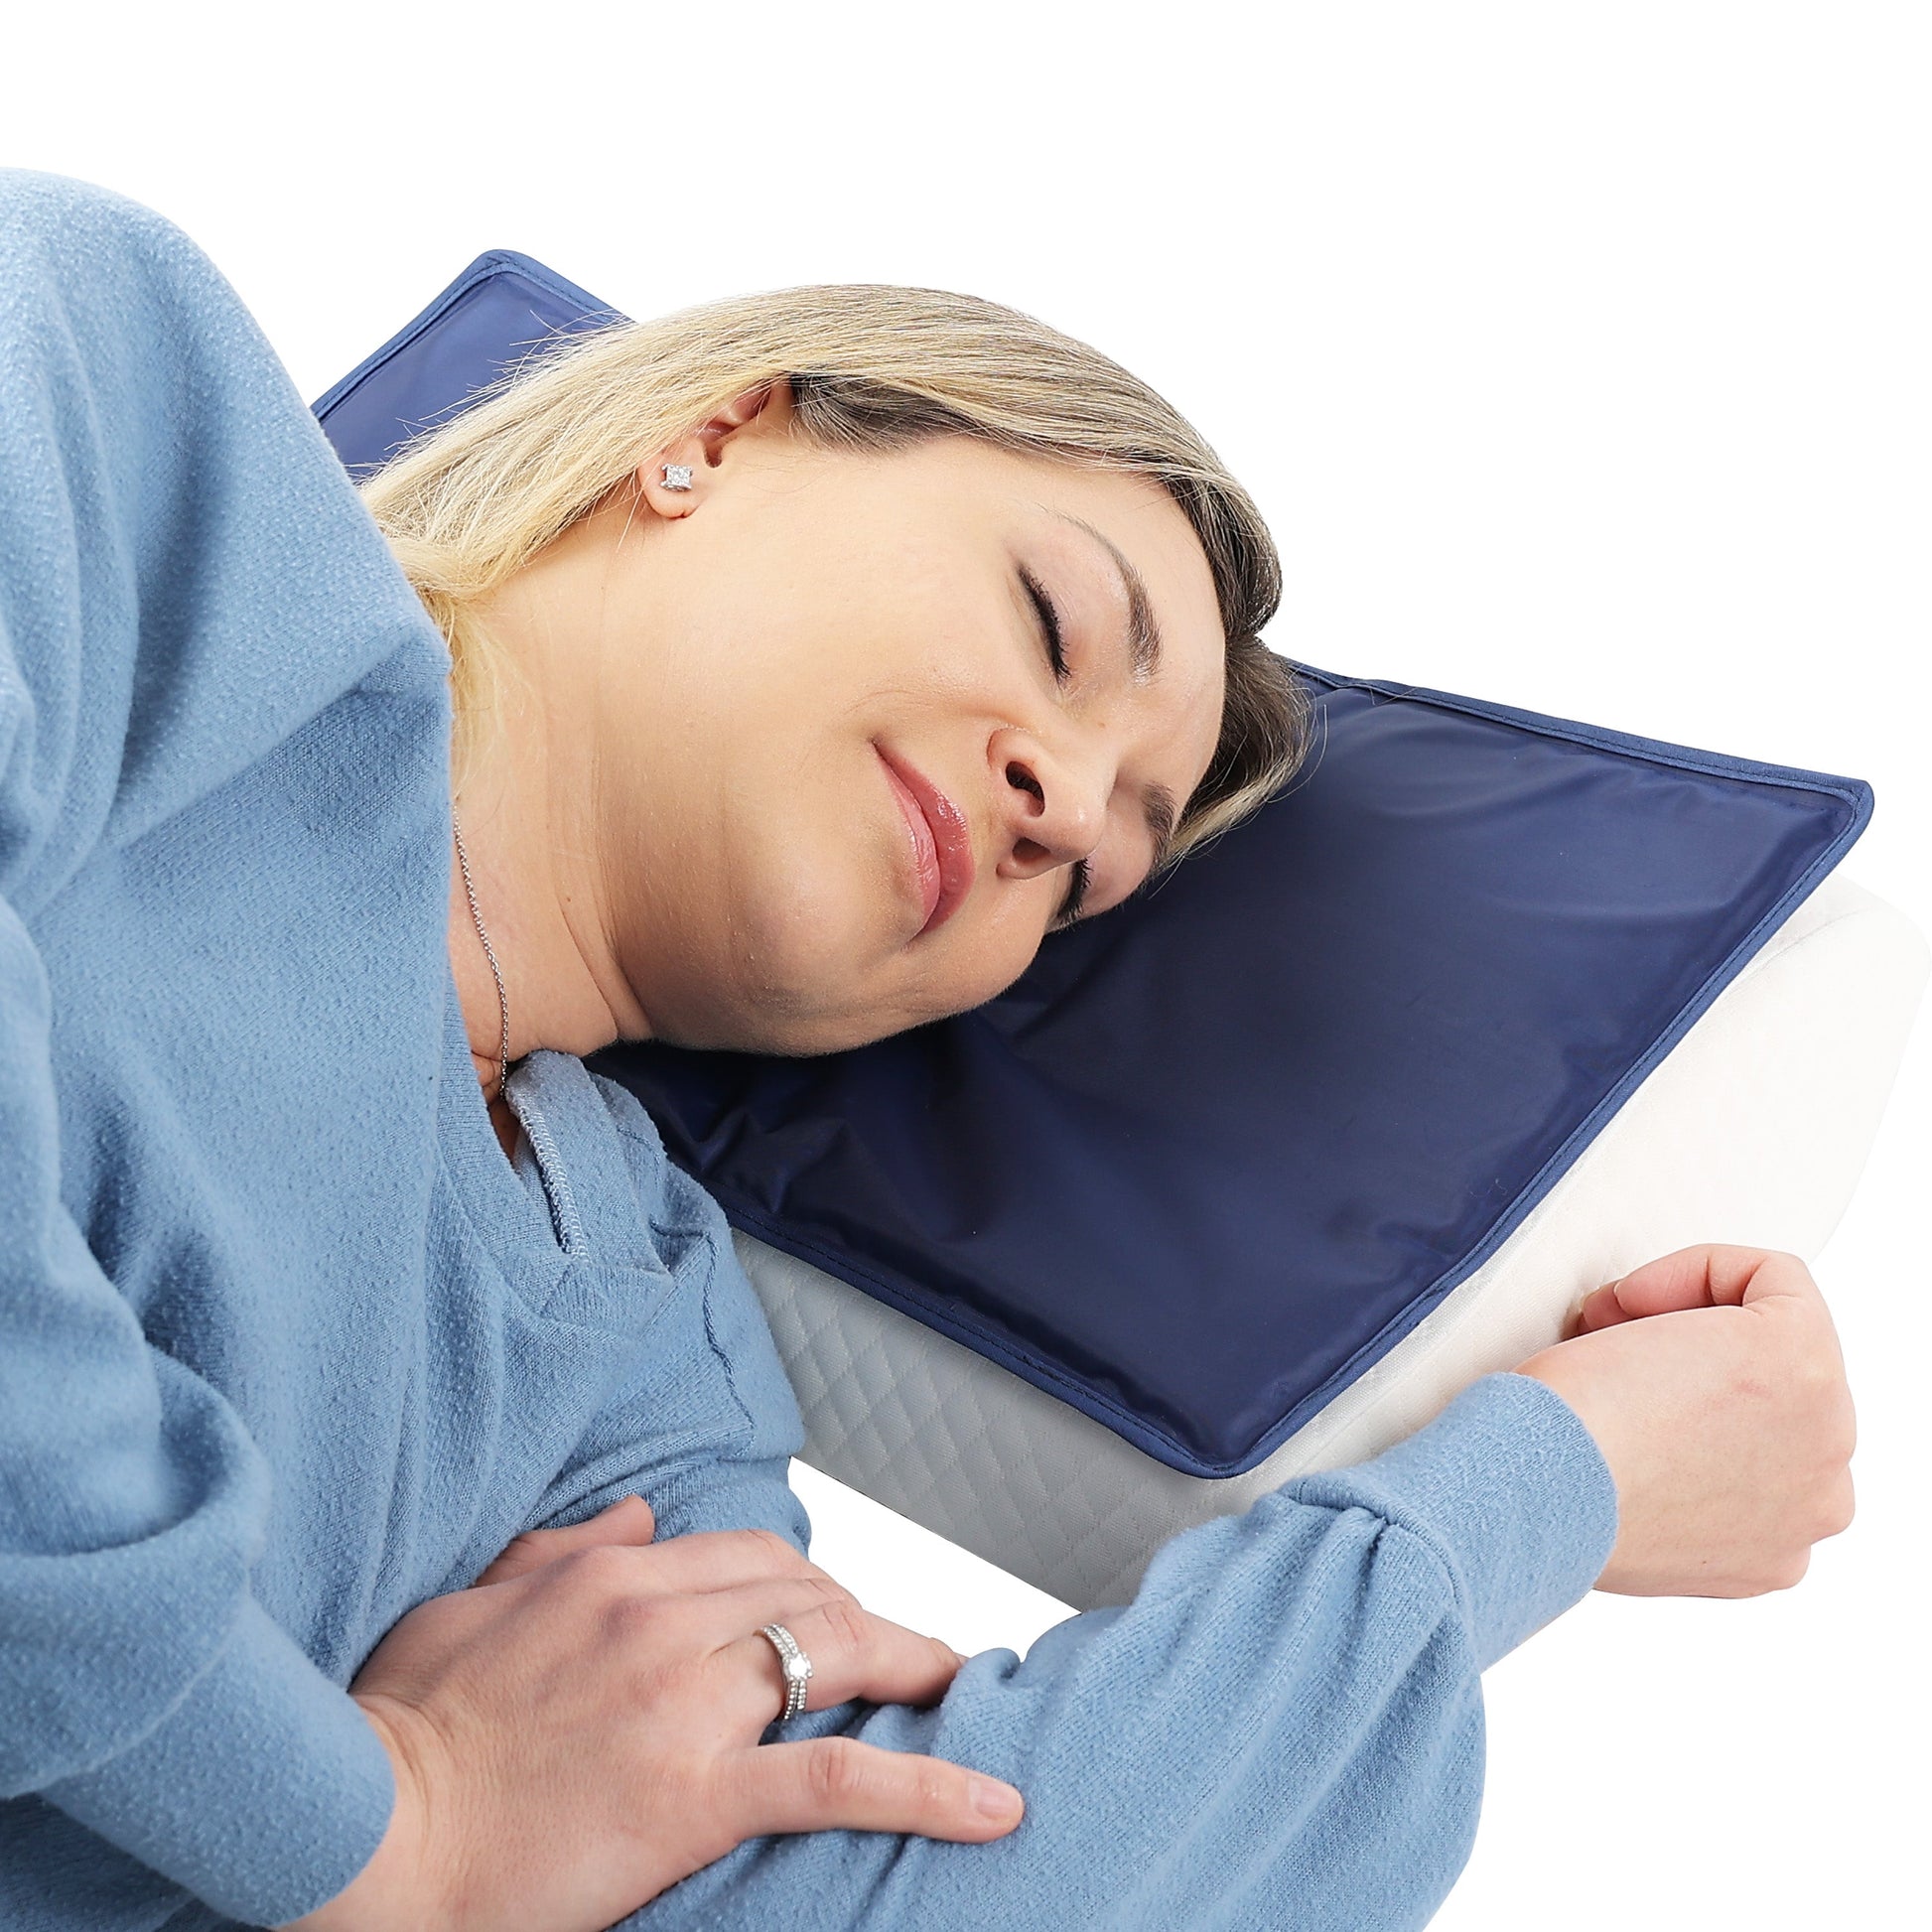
column 798, row 976
column 796, row 1016
column 733, row 1007
column 727, row 1030
column 811, row 978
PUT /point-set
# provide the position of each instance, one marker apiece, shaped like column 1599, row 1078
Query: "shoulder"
column 188, row 578
column 60, row 216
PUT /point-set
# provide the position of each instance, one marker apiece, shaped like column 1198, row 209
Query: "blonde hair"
column 871, row 367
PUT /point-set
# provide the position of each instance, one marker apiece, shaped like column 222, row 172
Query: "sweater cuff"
column 263, row 1792
column 1511, row 1491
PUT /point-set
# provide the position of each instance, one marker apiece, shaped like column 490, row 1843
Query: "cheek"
column 831, row 616
column 812, row 894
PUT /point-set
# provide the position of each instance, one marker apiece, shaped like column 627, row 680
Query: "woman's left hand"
column 1713, row 1384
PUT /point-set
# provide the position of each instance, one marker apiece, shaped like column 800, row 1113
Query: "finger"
column 1709, row 1275
column 1782, row 1277
column 721, row 1560
column 731, row 1617
column 627, row 1521
column 843, row 1783
column 853, row 1654
column 1600, row 1308
column 698, row 1564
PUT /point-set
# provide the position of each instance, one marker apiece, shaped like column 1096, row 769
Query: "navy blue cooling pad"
column 503, row 307
column 1215, row 1153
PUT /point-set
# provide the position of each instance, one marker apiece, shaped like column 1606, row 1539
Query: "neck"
column 531, row 834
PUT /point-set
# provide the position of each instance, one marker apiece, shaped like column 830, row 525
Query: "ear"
column 673, row 483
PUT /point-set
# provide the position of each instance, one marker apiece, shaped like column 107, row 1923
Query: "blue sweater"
column 287, row 1345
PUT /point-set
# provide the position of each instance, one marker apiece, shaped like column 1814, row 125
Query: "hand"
column 1713, row 1383
column 580, row 1729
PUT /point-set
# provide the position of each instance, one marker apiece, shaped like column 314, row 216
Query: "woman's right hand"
column 580, row 1729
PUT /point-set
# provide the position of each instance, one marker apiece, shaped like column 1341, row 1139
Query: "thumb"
column 629, row 1520
column 840, row 1783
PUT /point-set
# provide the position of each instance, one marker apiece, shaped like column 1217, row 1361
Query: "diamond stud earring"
column 677, row 475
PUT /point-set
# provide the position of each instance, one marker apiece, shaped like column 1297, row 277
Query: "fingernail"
column 993, row 1799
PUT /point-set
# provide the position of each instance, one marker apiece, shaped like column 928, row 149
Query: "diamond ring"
column 795, row 1665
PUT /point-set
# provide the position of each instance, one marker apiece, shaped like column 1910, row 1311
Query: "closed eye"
column 1049, row 622
column 1054, row 640
column 1076, row 890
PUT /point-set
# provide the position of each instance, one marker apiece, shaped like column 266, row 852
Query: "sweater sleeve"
column 142, row 1688
column 1284, row 1727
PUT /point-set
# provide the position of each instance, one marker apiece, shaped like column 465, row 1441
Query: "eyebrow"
column 1157, row 804
column 1143, row 631
column 1160, row 811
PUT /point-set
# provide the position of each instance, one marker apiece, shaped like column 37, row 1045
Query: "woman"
column 394, row 1457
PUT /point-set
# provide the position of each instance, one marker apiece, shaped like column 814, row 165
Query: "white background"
column 1579, row 356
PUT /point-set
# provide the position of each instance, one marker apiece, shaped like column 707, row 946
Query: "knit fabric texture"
column 287, row 1346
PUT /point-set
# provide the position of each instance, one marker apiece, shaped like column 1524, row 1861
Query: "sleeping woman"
column 394, row 1530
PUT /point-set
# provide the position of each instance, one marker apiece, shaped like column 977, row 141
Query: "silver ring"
column 796, row 1666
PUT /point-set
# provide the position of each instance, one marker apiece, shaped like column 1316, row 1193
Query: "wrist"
column 1562, row 1370
column 1606, row 1422
column 393, row 1893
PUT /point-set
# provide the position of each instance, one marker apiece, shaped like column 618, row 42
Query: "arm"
column 1285, row 1725
column 583, row 1730
column 592, row 1728
column 143, row 1690
column 1289, row 1710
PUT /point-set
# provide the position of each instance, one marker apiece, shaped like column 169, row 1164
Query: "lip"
column 942, row 841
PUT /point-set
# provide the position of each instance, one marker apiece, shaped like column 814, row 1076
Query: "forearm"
column 1284, row 1727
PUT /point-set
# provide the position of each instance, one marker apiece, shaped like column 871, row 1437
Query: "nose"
column 1054, row 805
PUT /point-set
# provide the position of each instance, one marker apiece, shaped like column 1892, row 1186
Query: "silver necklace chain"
column 490, row 953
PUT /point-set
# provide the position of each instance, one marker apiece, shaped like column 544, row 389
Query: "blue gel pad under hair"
column 1217, row 1152
column 501, row 308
